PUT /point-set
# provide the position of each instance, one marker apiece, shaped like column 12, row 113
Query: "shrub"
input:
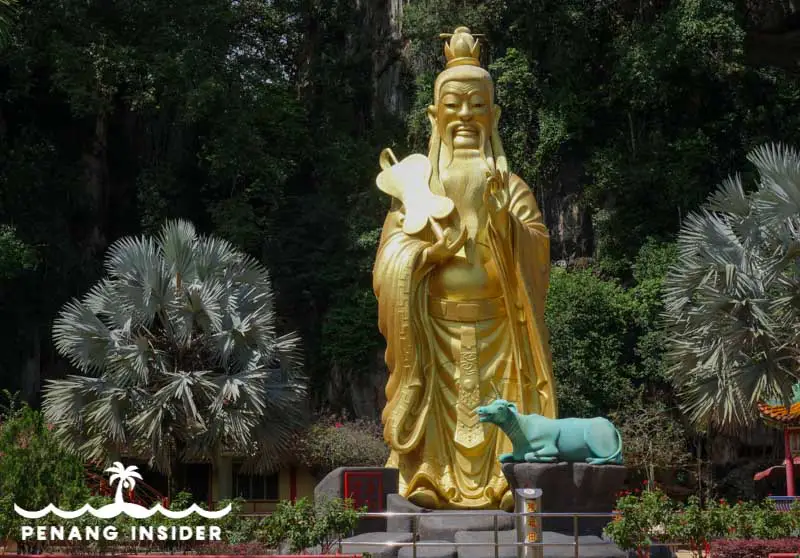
column 302, row 525
column 652, row 440
column 333, row 442
column 754, row 548
column 643, row 517
column 640, row 517
column 34, row 472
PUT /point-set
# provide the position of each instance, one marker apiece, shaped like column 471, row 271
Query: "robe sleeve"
column 529, row 251
column 531, row 244
column 399, row 284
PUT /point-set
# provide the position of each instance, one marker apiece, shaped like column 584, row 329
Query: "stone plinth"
column 570, row 487
column 443, row 524
column 446, row 523
column 402, row 523
column 366, row 486
column 355, row 545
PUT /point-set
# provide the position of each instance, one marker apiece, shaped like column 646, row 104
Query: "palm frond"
column 176, row 243
column 82, row 337
column 182, row 335
column 730, row 198
column 729, row 305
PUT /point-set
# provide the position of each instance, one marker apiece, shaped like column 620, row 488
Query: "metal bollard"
column 529, row 528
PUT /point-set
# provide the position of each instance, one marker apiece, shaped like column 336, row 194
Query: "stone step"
column 355, row 545
column 445, row 524
column 398, row 504
column 447, row 550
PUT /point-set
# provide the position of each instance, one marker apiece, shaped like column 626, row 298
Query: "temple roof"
column 775, row 413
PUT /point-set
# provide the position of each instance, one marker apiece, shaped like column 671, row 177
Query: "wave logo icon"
column 126, row 479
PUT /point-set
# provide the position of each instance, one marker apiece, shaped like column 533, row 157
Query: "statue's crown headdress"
column 463, row 49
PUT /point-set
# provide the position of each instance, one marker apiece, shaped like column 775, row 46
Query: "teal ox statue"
column 538, row 439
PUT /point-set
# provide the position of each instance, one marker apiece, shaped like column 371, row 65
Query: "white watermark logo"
column 125, row 477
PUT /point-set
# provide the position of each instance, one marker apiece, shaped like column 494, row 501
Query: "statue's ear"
column 513, row 407
column 431, row 112
column 496, row 110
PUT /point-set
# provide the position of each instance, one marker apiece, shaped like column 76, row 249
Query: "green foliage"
column 640, row 519
column 605, row 336
column 646, row 517
column 15, row 255
column 7, row 12
column 589, row 320
column 333, row 442
column 179, row 356
column 303, row 525
column 349, row 332
column 645, row 104
column 732, row 299
column 262, row 123
column 34, row 472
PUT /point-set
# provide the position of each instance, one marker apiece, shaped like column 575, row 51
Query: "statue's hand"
column 443, row 249
column 497, row 200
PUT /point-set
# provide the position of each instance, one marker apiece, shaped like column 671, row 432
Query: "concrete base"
column 355, row 545
column 398, row 504
column 446, row 526
column 447, row 550
column 368, row 486
column 570, row 488
column 462, row 547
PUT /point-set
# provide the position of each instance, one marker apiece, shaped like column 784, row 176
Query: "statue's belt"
column 467, row 310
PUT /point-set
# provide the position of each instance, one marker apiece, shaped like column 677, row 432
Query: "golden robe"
column 442, row 363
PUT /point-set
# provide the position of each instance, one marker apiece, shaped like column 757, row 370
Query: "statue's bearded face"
column 464, row 113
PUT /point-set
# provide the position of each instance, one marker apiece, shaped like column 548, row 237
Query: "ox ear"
column 512, row 406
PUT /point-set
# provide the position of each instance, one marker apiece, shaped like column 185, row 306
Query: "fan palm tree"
column 179, row 357
column 732, row 299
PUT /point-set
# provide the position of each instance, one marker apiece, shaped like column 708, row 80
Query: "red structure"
column 144, row 494
column 775, row 414
column 365, row 488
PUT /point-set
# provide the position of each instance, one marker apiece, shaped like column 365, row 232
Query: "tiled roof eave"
column 779, row 416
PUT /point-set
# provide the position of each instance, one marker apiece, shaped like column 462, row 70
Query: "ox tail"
column 617, row 456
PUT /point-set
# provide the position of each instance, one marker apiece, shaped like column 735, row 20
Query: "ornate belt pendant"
column 469, row 430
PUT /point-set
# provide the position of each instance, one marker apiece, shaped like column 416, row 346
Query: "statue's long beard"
column 464, row 181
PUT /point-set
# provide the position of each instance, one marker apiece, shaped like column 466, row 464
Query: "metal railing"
column 537, row 547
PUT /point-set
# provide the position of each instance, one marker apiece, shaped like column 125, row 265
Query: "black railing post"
column 577, row 539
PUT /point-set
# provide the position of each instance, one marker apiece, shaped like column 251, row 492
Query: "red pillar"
column 789, row 463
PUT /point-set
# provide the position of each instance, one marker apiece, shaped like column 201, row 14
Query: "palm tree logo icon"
column 125, row 477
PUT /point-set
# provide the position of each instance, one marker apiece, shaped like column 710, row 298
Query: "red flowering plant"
column 641, row 520
column 698, row 525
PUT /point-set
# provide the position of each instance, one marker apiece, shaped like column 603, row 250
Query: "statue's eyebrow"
column 461, row 88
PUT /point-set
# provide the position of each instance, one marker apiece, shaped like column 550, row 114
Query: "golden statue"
column 461, row 276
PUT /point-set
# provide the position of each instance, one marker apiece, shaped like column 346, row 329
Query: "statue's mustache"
column 450, row 129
